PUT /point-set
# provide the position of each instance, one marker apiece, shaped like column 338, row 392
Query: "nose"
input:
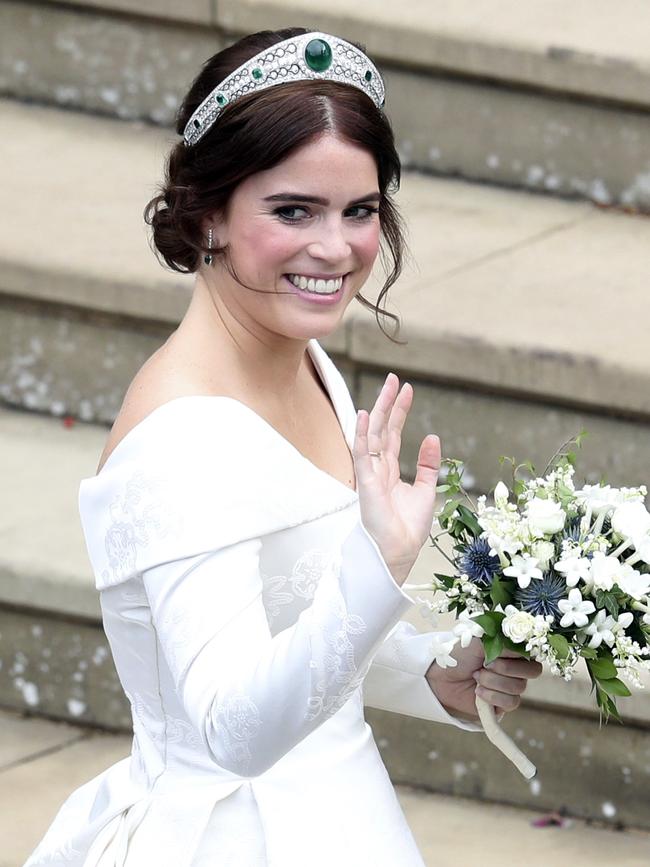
column 329, row 242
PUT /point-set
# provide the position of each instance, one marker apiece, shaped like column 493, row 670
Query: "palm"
column 399, row 515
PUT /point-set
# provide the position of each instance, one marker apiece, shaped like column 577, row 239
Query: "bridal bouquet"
column 553, row 572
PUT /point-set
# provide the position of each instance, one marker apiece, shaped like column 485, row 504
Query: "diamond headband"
column 312, row 56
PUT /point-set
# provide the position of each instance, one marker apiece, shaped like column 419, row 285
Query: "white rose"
column 517, row 625
column 543, row 552
column 545, row 517
column 631, row 520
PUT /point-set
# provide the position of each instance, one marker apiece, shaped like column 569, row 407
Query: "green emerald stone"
column 318, row 55
column 221, row 99
column 257, row 73
column 368, row 75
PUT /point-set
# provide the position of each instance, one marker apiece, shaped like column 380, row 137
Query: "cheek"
column 270, row 244
column 368, row 243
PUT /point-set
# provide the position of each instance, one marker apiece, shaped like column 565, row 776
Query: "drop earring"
column 208, row 257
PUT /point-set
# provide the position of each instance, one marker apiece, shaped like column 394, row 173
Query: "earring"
column 208, row 257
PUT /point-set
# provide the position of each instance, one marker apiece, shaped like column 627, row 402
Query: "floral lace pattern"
column 237, row 721
column 138, row 516
column 338, row 677
column 282, row 590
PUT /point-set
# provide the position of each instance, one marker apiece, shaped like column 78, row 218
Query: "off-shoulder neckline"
column 174, row 401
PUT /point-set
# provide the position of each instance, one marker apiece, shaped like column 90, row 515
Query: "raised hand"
column 398, row 515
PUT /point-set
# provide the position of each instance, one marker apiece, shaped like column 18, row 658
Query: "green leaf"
column 492, row 645
column 516, row 648
column 614, row 686
column 560, row 645
column 602, row 668
column 469, row 520
column 588, row 652
column 489, row 623
column 442, row 489
column 500, row 592
column 447, row 580
column 607, row 599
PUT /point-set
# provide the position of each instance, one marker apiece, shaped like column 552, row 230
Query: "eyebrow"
column 317, row 200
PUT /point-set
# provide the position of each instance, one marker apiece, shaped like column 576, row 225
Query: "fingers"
column 428, row 465
column 388, row 415
column 515, row 666
column 505, row 679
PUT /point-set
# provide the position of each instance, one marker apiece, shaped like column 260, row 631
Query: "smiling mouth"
column 318, row 286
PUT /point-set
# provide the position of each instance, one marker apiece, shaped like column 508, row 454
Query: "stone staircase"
column 525, row 315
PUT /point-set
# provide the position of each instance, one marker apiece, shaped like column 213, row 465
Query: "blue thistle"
column 542, row 595
column 571, row 530
column 477, row 562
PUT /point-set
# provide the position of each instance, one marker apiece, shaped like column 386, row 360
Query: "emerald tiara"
column 312, row 56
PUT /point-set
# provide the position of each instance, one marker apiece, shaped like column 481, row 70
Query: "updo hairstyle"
column 255, row 133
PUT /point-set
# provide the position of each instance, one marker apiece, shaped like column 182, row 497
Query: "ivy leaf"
column 560, row 645
column 492, row 645
column 516, row 648
column 602, row 668
column 607, row 599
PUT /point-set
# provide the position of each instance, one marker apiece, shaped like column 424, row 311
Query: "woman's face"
column 312, row 216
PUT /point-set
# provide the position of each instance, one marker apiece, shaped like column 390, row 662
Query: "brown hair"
column 255, row 133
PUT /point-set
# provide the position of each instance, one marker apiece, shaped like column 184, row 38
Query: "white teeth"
column 321, row 287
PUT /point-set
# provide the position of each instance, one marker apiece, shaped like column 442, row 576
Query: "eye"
column 282, row 212
column 368, row 209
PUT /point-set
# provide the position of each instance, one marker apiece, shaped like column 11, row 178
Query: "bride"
column 249, row 532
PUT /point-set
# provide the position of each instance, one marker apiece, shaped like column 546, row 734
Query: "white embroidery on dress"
column 179, row 731
column 278, row 590
column 142, row 513
column 339, row 679
column 237, row 721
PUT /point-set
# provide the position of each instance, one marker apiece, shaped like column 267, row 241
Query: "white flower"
column 574, row 569
column 598, row 498
column 545, row 517
column 441, row 649
column 600, row 629
column 574, row 610
column 632, row 582
column 523, row 569
column 642, row 547
column 544, row 552
column 624, row 620
column 501, row 495
column 517, row 625
column 604, row 571
column 631, row 520
column 466, row 629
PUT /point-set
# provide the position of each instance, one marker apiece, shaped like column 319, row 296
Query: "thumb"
column 428, row 465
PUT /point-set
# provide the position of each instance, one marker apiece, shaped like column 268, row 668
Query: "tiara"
column 313, row 56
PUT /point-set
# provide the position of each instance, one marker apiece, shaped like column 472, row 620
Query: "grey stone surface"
column 194, row 11
column 587, row 771
column 22, row 738
column 535, row 140
column 120, row 66
column 56, row 362
column 60, row 669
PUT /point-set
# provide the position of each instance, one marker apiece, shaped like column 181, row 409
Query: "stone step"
column 525, row 316
column 57, row 662
column 550, row 97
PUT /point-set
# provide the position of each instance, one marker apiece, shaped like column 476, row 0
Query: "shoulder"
column 158, row 382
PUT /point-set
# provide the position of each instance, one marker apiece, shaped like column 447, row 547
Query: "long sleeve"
column 253, row 697
column 396, row 678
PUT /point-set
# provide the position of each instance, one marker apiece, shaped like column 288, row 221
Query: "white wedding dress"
column 250, row 616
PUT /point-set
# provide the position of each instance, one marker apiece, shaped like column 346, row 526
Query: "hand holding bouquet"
column 554, row 573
